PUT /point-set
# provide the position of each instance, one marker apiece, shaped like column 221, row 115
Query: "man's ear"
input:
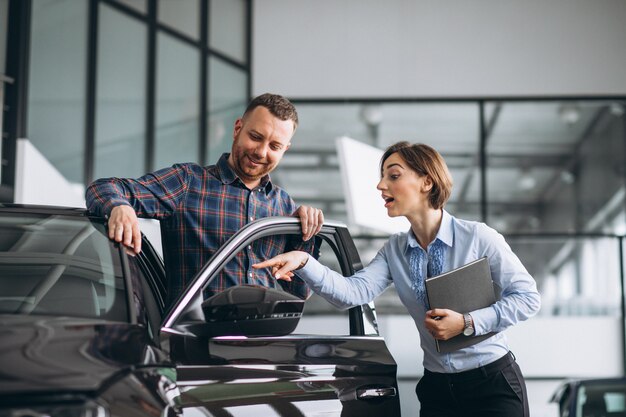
column 237, row 128
column 288, row 146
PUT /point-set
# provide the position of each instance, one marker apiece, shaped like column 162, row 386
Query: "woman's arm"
column 519, row 300
column 342, row 292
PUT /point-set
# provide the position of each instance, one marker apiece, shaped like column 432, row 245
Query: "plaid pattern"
column 200, row 208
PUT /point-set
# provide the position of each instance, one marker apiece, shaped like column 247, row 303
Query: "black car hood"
column 51, row 354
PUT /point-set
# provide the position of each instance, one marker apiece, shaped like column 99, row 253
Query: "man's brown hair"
column 278, row 105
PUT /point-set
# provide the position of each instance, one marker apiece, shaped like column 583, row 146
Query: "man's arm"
column 122, row 200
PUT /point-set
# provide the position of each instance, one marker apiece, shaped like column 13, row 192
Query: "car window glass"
column 615, row 402
column 59, row 265
column 319, row 316
column 601, row 399
column 144, row 301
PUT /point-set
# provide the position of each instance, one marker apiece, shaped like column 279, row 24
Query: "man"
column 201, row 207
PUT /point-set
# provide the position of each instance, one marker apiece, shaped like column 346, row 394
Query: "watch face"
column 469, row 328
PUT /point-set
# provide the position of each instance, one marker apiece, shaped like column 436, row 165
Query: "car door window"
column 145, row 299
column 319, row 316
column 318, row 313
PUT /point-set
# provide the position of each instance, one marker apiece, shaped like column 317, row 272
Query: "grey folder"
column 463, row 290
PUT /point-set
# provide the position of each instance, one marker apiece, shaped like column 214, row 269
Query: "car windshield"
column 602, row 399
column 61, row 266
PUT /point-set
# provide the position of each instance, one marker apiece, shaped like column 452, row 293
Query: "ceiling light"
column 568, row 177
column 526, row 181
column 372, row 114
column 569, row 113
column 617, row 109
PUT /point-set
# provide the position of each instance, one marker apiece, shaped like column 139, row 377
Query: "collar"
column 445, row 233
column 228, row 176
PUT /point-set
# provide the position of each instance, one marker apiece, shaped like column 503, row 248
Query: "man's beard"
column 246, row 174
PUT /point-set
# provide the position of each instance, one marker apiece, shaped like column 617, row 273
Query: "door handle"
column 371, row 393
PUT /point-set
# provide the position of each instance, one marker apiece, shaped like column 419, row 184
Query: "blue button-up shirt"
column 465, row 241
column 200, row 208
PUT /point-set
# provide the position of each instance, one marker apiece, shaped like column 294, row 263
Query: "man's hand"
column 444, row 324
column 311, row 220
column 283, row 265
column 124, row 228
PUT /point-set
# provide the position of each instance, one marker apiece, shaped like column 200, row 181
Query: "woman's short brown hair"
column 425, row 161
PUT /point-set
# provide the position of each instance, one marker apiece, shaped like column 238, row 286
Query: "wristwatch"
column 468, row 329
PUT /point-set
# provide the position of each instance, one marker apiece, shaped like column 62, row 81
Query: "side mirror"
column 251, row 310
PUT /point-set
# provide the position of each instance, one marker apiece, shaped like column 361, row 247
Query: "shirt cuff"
column 111, row 204
column 312, row 272
column 483, row 320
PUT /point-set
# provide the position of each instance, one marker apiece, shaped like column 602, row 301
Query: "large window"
column 227, row 102
column 554, row 166
column 121, row 95
column 310, row 168
column 123, row 87
column 57, row 84
column 227, row 28
column 4, row 15
column 181, row 15
column 177, row 103
column 549, row 175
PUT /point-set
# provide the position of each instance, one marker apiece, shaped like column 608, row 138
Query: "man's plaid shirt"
column 199, row 209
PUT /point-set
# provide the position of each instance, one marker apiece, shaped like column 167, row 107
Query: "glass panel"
column 546, row 160
column 120, row 116
column 177, row 103
column 575, row 276
column 182, row 15
column 227, row 27
column 227, row 101
column 310, row 171
column 52, row 265
column 4, row 16
column 139, row 5
column 4, row 11
column 56, row 102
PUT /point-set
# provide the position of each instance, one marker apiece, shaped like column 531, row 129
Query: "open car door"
column 227, row 369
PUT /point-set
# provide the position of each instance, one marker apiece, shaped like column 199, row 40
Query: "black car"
column 605, row 397
column 85, row 332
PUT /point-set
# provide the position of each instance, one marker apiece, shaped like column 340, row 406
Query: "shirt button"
column 249, row 246
column 251, row 218
column 259, row 190
column 250, row 274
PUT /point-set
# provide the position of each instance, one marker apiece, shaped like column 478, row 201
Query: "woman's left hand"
column 444, row 324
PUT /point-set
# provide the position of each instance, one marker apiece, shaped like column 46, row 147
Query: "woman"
column 480, row 380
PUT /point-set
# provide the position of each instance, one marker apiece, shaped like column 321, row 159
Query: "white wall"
column 37, row 181
column 453, row 48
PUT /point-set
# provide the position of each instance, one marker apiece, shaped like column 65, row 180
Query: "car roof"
column 44, row 209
